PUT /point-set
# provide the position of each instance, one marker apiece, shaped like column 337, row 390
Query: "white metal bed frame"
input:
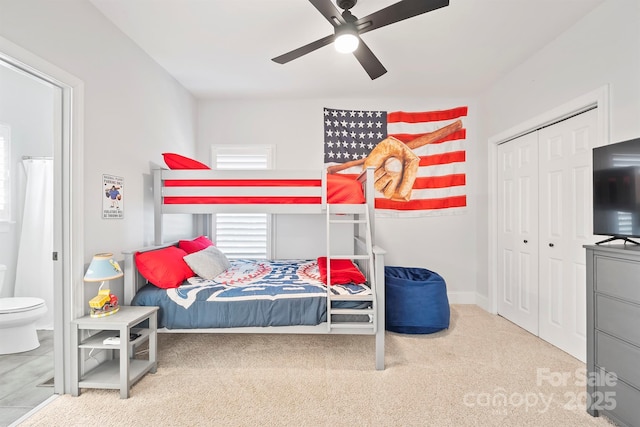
column 368, row 257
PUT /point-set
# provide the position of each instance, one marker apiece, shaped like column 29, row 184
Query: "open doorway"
column 67, row 157
column 27, row 111
column 30, row 111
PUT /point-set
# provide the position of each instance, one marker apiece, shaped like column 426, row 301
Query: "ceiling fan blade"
column 397, row 12
column 329, row 11
column 369, row 61
column 297, row 53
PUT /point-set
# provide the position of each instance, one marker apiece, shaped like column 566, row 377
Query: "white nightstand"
column 121, row 372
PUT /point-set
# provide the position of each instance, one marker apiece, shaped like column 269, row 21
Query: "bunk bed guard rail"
column 205, row 191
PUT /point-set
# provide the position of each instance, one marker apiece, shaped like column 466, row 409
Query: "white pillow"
column 208, row 263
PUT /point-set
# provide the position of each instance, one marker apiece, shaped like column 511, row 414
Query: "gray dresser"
column 613, row 332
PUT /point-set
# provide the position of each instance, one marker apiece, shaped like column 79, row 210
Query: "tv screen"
column 616, row 189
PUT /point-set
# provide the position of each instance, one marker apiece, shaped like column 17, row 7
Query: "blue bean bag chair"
column 416, row 301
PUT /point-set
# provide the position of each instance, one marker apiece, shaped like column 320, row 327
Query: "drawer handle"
column 526, row 241
column 550, row 245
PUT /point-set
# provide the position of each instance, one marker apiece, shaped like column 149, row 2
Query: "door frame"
column 68, row 180
column 599, row 99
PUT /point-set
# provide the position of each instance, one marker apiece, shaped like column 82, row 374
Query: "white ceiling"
column 223, row 48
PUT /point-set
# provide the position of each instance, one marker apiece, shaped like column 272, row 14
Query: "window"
column 5, row 161
column 242, row 235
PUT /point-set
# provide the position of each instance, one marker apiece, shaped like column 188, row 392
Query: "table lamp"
column 103, row 268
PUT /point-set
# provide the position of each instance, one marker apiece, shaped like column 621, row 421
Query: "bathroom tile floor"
column 21, row 379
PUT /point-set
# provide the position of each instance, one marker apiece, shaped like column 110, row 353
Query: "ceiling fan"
column 348, row 26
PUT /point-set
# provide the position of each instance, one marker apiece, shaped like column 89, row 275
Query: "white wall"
column 602, row 49
column 26, row 106
column 133, row 110
column 445, row 244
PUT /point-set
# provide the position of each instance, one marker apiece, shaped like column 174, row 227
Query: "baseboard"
column 461, row 297
column 483, row 302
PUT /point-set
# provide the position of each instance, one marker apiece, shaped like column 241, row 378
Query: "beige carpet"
column 482, row 371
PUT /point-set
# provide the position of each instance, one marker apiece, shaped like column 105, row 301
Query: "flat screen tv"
column 616, row 191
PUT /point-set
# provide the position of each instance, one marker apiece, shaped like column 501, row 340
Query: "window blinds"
column 242, row 235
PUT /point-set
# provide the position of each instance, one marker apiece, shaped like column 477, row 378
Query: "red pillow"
column 343, row 271
column 176, row 161
column 343, row 189
column 195, row 245
column 165, row 267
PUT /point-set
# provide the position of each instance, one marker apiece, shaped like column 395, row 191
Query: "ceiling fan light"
column 346, row 42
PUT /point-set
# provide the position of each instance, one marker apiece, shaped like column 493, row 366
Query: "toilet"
column 18, row 316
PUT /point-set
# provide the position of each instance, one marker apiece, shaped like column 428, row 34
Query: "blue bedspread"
column 249, row 293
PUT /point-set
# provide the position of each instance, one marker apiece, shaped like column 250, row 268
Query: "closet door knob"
column 550, row 245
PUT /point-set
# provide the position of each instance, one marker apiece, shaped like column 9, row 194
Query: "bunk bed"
column 299, row 301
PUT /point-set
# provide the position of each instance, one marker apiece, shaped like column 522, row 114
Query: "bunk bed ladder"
column 358, row 215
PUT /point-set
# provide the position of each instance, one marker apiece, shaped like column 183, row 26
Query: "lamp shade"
column 103, row 267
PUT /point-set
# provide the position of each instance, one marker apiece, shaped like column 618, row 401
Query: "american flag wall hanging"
column 420, row 157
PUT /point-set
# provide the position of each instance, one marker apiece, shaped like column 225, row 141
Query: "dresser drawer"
column 619, row 358
column 626, row 400
column 618, row 277
column 618, row 318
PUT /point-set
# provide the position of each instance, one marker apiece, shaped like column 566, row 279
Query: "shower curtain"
column 34, row 270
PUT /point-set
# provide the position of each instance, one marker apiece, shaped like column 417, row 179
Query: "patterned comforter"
column 249, row 293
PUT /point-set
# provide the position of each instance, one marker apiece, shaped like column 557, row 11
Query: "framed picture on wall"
column 112, row 197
